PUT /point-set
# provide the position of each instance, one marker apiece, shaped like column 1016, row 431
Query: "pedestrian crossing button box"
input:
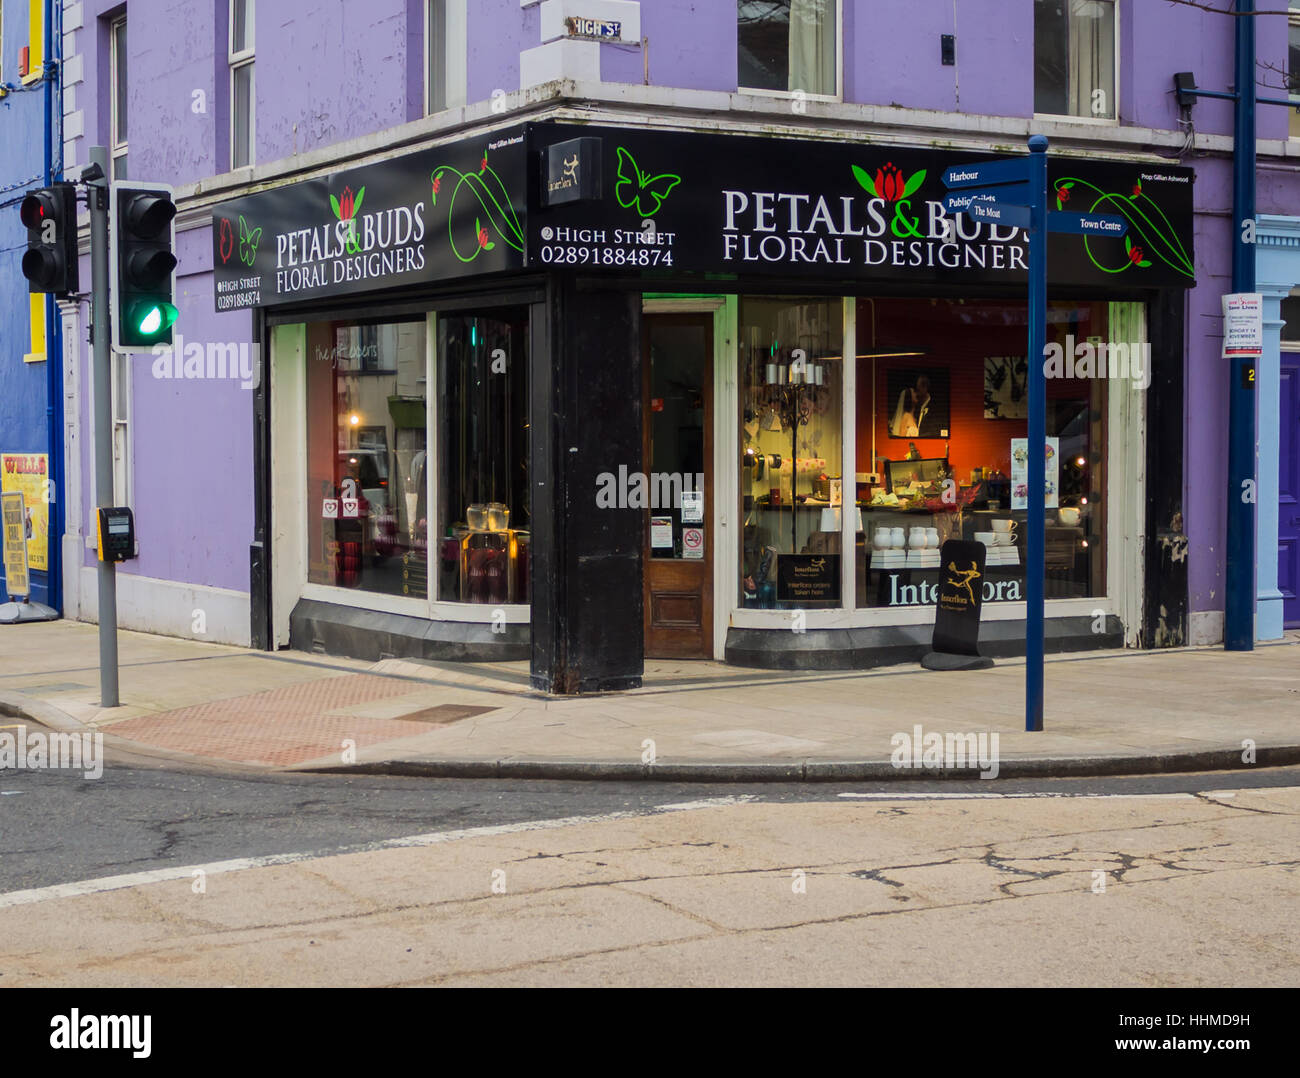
column 116, row 534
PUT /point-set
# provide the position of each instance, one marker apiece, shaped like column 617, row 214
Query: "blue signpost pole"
column 1034, row 543
column 1239, row 590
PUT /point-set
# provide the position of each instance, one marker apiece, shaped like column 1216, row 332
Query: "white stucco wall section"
column 566, row 58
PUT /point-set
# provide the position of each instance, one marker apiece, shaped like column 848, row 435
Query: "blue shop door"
column 1288, row 510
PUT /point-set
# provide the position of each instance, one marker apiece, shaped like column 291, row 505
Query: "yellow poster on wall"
column 28, row 473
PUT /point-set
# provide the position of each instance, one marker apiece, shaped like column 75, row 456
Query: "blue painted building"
column 29, row 340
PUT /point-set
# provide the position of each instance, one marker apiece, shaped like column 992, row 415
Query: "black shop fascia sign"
column 447, row 213
column 670, row 203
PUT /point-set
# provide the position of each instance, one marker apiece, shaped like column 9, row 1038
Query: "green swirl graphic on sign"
column 1150, row 233
column 485, row 186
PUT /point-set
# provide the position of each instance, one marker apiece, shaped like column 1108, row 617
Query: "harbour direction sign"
column 988, row 173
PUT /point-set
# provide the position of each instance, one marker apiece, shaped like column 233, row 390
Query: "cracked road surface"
column 677, row 886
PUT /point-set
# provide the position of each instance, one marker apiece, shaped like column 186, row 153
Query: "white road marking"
column 708, row 802
column 970, row 796
column 239, row 864
column 10, row 793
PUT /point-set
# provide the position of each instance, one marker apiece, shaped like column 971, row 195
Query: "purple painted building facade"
column 340, row 85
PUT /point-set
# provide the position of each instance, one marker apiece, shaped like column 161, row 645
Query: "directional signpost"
column 1013, row 192
column 1086, row 224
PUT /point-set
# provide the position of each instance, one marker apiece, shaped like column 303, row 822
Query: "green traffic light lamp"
column 151, row 318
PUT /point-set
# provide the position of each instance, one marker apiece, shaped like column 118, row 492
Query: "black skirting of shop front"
column 335, row 629
column 867, row 647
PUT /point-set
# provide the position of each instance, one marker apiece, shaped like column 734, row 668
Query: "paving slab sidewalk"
column 1109, row 712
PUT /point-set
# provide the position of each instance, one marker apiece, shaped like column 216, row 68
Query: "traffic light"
column 50, row 216
column 141, row 244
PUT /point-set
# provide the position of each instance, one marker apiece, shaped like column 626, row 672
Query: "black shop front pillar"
column 587, row 633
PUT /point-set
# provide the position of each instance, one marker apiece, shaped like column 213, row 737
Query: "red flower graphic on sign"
column 226, row 239
column 1134, row 252
column 888, row 183
column 482, row 237
column 1062, row 195
column 1137, row 189
column 483, row 166
column 346, row 208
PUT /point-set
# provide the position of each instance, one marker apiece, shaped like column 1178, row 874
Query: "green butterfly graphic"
column 635, row 188
column 249, row 238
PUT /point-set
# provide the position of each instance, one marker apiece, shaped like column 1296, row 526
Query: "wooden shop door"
column 677, row 365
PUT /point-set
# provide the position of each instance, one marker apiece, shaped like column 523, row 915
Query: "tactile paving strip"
column 279, row 727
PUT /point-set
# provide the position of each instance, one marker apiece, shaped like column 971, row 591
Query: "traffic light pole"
column 97, row 199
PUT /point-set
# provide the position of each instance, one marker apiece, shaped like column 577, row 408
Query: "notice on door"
column 808, row 578
column 661, row 533
column 692, row 507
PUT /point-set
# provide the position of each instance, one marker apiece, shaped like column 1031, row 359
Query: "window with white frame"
column 242, row 96
column 117, row 96
column 1293, row 65
column 1074, row 58
column 788, row 46
column 444, row 54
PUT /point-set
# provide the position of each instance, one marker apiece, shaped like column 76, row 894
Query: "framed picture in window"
column 1006, row 387
column 918, row 402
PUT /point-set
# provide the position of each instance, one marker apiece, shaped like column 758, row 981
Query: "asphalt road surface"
column 56, row 827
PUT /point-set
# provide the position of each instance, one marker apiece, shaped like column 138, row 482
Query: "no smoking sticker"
column 693, row 543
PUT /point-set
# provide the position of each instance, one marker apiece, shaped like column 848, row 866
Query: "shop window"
column 788, row 45
column 1293, row 65
column 791, row 394
column 366, row 447
column 1074, row 58
column 941, row 423
column 483, row 520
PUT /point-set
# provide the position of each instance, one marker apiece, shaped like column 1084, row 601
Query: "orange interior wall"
column 935, row 327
